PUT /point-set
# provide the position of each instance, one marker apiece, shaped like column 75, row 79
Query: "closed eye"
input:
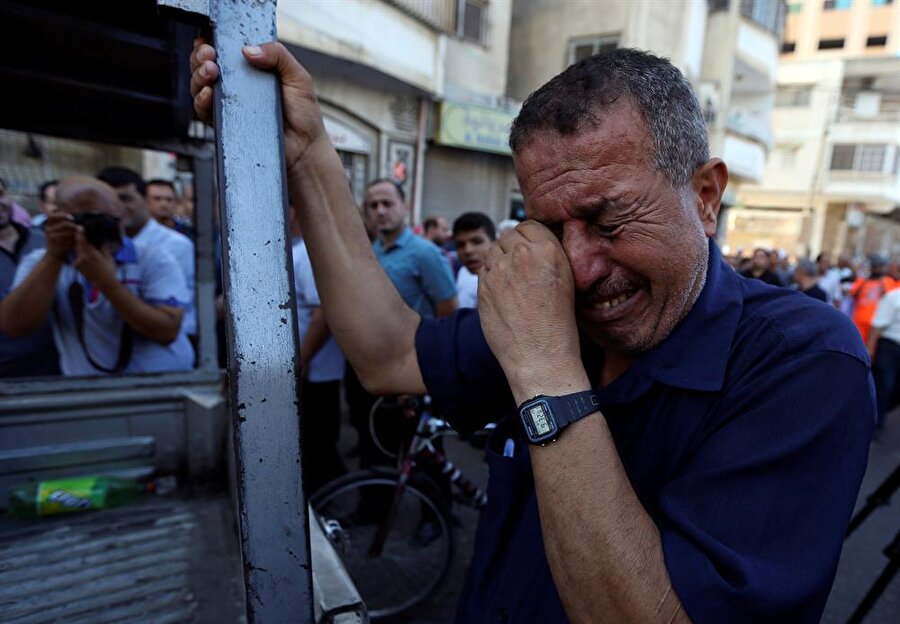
column 606, row 230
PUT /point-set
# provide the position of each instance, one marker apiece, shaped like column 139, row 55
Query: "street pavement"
column 862, row 559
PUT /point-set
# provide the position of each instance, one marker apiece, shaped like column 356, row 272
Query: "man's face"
column 134, row 208
column 760, row 260
column 382, row 202
column 440, row 233
column 637, row 245
column 473, row 247
column 48, row 201
column 160, row 201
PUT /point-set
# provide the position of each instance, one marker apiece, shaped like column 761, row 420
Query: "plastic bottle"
column 47, row 498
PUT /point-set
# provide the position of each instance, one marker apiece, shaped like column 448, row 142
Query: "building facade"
column 413, row 91
column 832, row 183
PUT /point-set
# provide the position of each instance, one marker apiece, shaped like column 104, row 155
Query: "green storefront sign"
column 474, row 127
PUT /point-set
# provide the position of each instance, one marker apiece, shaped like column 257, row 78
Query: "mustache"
column 610, row 287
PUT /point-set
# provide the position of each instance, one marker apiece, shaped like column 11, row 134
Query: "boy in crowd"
column 473, row 234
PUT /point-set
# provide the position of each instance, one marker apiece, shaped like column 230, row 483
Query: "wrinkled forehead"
column 620, row 139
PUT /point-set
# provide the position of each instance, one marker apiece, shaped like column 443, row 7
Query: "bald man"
column 118, row 306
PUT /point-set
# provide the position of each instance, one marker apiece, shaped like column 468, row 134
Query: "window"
column 718, row 5
column 788, row 47
column 882, row 2
column 870, row 157
column 831, row 44
column 582, row 48
column 842, row 157
column 788, row 97
column 865, row 157
column 471, row 23
column 876, row 42
column 837, row 4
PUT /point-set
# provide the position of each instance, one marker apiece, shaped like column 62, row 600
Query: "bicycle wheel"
column 402, row 570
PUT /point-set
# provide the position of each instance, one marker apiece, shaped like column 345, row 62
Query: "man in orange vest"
column 867, row 292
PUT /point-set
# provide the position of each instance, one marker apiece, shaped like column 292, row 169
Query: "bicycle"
column 375, row 519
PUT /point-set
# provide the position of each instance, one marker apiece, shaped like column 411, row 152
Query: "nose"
column 588, row 256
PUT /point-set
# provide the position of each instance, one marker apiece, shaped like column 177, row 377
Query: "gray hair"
column 808, row 267
column 579, row 96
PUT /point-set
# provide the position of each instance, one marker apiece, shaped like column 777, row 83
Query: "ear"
column 708, row 183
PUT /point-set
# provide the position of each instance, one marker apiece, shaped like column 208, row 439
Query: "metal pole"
column 260, row 316
column 261, row 321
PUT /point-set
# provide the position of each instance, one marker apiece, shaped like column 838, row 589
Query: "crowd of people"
column 95, row 284
column 861, row 288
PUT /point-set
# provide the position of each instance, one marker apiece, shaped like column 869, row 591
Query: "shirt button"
column 502, row 615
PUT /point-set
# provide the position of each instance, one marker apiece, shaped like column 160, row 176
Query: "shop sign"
column 346, row 139
column 474, row 127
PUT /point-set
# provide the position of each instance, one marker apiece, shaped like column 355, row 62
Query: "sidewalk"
column 862, row 559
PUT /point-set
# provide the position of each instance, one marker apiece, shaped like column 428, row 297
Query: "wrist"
column 528, row 385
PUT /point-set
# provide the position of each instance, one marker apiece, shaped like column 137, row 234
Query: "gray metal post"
column 260, row 316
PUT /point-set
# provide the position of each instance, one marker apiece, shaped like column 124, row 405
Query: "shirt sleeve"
column 886, row 312
column 752, row 526
column 464, row 379
column 304, row 280
column 26, row 266
column 437, row 280
column 162, row 279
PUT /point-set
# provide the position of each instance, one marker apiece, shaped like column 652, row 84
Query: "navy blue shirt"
column 744, row 434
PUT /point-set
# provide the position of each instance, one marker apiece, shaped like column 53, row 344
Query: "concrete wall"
column 542, row 30
column 477, row 73
column 369, row 32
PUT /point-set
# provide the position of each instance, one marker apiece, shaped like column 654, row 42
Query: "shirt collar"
column 401, row 240
column 148, row 229
column 127, row 253
column 695, row 355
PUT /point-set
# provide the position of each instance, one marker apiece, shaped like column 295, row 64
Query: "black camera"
column 99, row 228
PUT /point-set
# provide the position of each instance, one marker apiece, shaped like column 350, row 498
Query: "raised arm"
column 158, row 322
column 373, row 326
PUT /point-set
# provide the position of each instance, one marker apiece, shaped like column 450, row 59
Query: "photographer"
column 116, row 306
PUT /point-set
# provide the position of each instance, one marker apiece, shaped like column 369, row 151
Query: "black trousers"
column 886, row 371
column 320, row 427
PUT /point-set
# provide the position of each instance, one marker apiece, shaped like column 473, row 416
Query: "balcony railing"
column 751, row 125
column 440, row 14
column 887, row 109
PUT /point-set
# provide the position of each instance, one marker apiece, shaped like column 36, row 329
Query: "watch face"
column 540, row 425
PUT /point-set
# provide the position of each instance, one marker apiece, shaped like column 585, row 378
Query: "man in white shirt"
column 473, row 235
column 830, row 280
column 884, row 348
column 115, row 306
column 322, row 367
column 143, row 229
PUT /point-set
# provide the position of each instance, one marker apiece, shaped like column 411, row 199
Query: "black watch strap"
column 576, row 406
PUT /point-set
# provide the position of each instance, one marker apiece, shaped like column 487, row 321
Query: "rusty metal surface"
column 150, row 562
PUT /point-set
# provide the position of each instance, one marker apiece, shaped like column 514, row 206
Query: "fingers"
column 81, row 242
column 274, row 56
column 203, row 77
column 202, row 52
column 533, row 231
column 204, row 72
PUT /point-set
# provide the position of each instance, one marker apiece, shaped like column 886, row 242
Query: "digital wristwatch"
column 544, row 417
